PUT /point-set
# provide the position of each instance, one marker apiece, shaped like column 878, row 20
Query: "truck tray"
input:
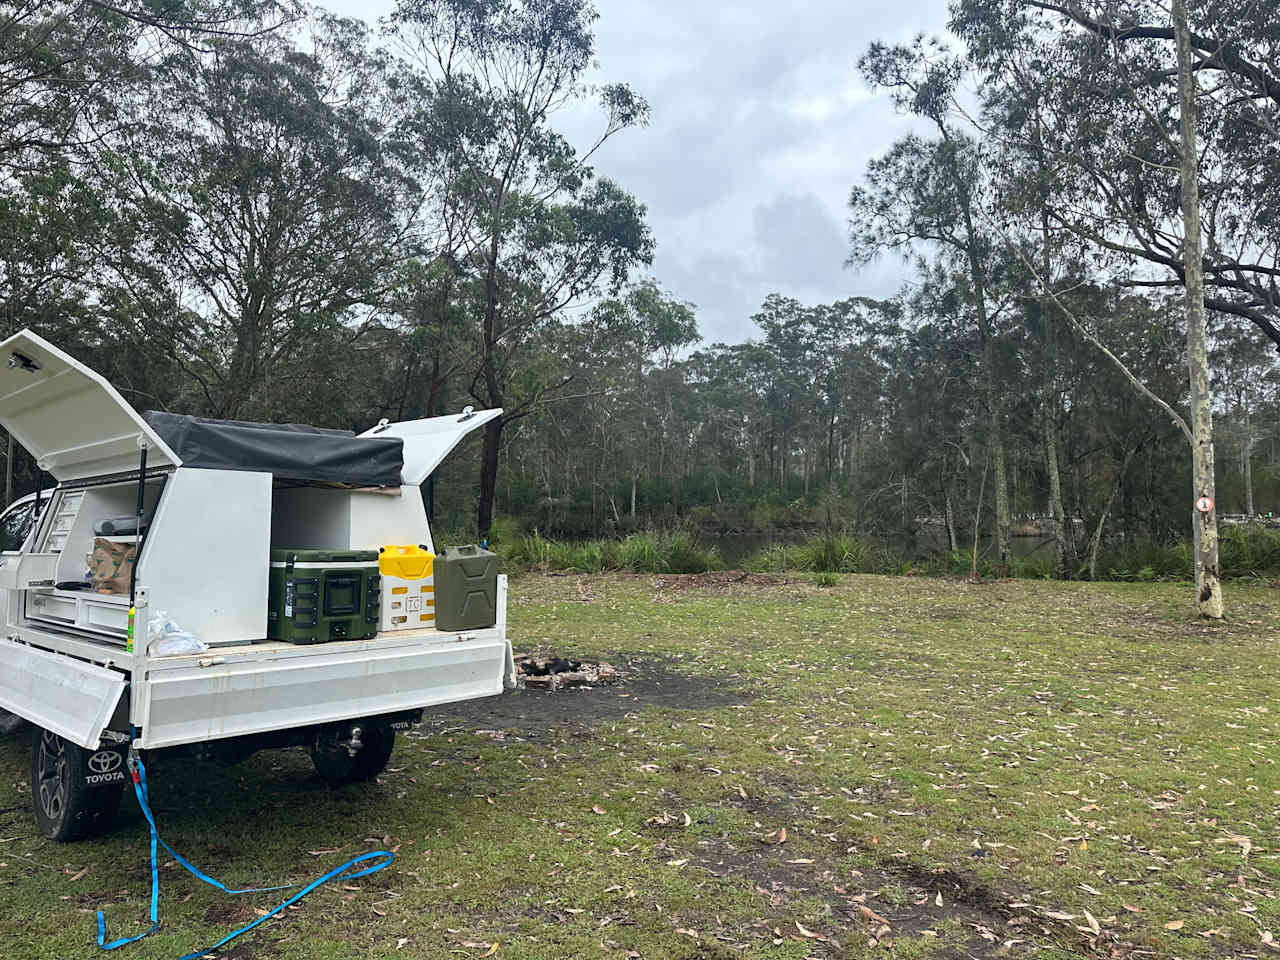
column 277, row 686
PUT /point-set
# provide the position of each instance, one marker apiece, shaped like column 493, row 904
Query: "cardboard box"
column 111, row 565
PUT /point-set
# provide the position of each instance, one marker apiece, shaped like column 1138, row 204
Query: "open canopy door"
column 68, row 417
column 427, row 442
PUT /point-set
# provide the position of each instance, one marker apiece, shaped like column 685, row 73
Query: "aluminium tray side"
column 192, row 700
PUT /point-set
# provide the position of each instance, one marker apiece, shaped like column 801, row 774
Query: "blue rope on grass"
column 383, row 858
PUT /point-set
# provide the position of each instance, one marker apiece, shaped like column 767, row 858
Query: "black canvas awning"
column 286, row 450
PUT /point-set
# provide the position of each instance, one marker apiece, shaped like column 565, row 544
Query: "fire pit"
column 550, row 672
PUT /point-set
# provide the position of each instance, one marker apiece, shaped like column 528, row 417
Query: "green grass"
column 1026, row 750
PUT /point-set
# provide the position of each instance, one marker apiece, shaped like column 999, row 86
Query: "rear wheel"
column 332, row 756
column 65, row 807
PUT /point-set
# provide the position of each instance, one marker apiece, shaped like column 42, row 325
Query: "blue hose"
column 139, row 773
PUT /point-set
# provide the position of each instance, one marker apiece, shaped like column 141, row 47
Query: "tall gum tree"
column 267, row 204
column 926, row 192
column 534, row 230
column 1122, row 125
column 1105, row 76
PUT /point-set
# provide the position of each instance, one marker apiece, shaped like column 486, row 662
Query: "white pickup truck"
column 69, row 661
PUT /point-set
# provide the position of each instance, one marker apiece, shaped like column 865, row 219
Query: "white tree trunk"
column 1204, row 523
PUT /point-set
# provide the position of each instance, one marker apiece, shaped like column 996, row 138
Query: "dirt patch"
column 229, row 914
column 536, row 714
column 722, row 581
column 871, row 907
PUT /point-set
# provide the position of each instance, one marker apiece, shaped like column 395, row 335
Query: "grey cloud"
column 800, row 242
column 722, row 287
column 760, row 125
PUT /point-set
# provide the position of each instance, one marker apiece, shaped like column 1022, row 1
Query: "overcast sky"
column 760, row 125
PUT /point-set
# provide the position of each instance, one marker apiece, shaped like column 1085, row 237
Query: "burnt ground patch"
column 647, row 682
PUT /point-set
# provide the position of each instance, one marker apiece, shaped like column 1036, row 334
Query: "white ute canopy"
column 67, row 416
column 427, row 442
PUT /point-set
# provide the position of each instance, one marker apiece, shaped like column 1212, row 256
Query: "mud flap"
column 106, row 765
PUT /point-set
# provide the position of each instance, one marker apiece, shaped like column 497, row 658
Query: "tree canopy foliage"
column 260, row 210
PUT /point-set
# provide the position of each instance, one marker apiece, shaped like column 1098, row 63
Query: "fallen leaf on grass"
column 401, row 942
column 1131, row 908
column 79, row 875
column 868, row 914
column 938, row 898
column 688, row 933
column 597, row 809
column 1173, row 925
column 1244, row 843
column 493, row 949
column 1093, row 923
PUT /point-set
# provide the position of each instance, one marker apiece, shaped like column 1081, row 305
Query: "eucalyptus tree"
column 534, row 230
column 67, row 67
column 1246, row 378
column 1105, row 77
column 268, row 205
column 640, row 335
column 930, row 194
column 1133, row 136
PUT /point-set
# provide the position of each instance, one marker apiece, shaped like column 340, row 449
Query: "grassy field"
column 888, row 767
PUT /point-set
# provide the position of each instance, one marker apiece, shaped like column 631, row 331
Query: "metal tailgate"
column 191, row 700
column 72, row 698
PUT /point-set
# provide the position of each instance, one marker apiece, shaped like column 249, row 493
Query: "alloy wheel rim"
column 51, row 772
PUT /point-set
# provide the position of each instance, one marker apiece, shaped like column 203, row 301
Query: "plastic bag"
column 166, row 639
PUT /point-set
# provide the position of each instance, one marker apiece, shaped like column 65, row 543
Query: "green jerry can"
column 466, row 588
column 314, row 596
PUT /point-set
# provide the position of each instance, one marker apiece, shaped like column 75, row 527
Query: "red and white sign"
column 1204, row 504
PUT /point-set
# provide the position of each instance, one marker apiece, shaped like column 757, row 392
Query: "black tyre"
column 336, row 766
column 66, row 809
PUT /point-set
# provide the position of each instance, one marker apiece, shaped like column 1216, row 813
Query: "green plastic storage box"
column 466, row 588
column 315, row 596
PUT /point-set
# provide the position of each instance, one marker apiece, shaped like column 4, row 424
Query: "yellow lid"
column 407, row 561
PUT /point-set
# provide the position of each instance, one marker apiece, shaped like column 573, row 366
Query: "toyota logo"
column 105, row 761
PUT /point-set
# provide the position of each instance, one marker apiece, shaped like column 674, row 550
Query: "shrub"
column 640, row 554
column 834, row 554
column 683, row 554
